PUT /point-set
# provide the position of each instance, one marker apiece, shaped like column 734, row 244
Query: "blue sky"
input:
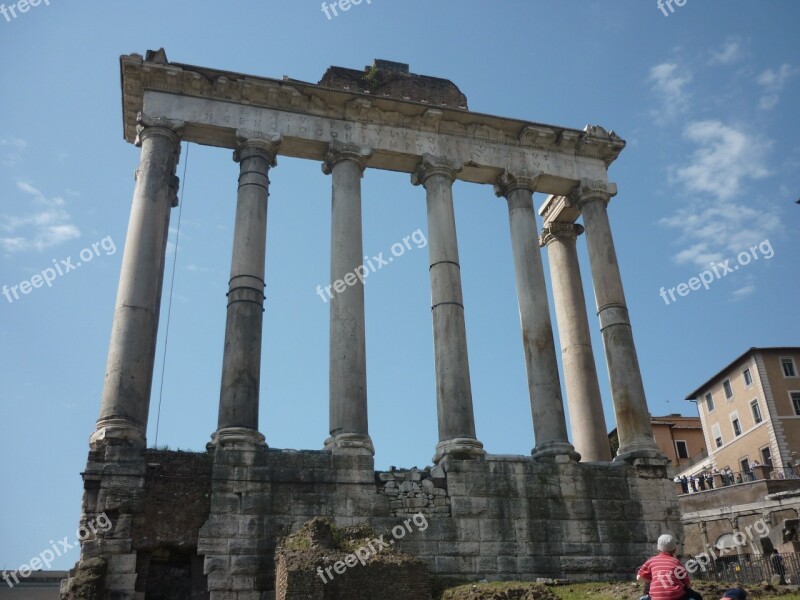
column 706, row 98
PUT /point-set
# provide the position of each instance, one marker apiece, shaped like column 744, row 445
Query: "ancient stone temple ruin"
column 567, row 511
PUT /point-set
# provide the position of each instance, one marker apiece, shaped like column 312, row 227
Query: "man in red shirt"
column 666, row 576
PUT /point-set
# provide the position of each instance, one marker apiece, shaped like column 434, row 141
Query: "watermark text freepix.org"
column 21, row 7
column 663, row 5
column 344, row 5
column 718, row 271
column 373, row 546
column 59, row 269
column 361, row 272
column 46, row 557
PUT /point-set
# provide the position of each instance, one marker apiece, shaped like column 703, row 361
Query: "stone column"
column 131, row 355
column 348, row 355
column 627, row 390
column 704, row 535
column 241, row 362
column 589, row 433
column 453, row 390
column 738, row 535
column 541, row 364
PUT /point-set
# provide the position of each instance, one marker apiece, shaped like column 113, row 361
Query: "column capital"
column 589, row 190
column 249, row 143
column 557, row 230
column 148, row 126
column 339, row 151
column 508, row 182
column 431, row 165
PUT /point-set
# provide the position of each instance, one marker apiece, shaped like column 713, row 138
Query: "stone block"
column 219, row 564
column 225, row 502
column 243, row 582
column 246, row 564
column 507, row 564
column 254, row 503
column 459, row 548
column 497, row 530
column 219, row 581
column 212, row 545
column 498, row 548
column 121, row 582
column 463, row 506
column 486, row 565
column 122, row 563
column 455, row 564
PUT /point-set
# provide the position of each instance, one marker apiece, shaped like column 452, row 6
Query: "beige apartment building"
column 750, row 412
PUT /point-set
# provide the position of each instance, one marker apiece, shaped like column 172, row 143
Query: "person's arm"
column 644, row 573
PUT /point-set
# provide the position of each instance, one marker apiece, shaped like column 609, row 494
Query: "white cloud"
column 743, row 291
column 772, row 82
column 11, row 149
column 729, row 53
column 725, row 158
column 721, row 220
column 670, row 84
column 49, row 225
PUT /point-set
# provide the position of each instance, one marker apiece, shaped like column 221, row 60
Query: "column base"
column 558, row 451
column 118, row 432
column 459, row 449
column 237, row 438
column 352, row 444
column 644, row 450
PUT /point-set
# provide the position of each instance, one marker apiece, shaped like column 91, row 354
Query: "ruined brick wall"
column 379, row 579
column 500, row 518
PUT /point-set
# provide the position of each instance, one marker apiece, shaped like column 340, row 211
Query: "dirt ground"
column 599, row 591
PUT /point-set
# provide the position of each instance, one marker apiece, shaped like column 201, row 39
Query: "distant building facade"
column 750, row 417
column 679, row 437
column 750, row 412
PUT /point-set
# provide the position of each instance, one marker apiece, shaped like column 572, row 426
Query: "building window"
column 709, row 402
column 756, row 411
column 748, row 378
column 787, row 364
column 726, row 385
column 737, row 427
column 682, row 449
column 744, row 463
column 717, row 433
column 795, row 402
column 766, row 456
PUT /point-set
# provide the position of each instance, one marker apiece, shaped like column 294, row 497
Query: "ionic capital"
column 435, row 165
column 556, row 230
column 508, row 182
column 148, row 126
column 256, row 143
column 589, row 190
column 339, row 151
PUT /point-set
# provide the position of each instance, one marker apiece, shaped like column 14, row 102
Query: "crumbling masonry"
column 565, row 511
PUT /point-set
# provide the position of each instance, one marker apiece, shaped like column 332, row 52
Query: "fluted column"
column 627, row 390
column 241, row 362
column 588, row 423
column 541, row 364
column 131, row 355
column 348, row 355
column 453, row 390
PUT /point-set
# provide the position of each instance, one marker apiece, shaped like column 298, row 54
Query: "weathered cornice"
column 157, row 74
